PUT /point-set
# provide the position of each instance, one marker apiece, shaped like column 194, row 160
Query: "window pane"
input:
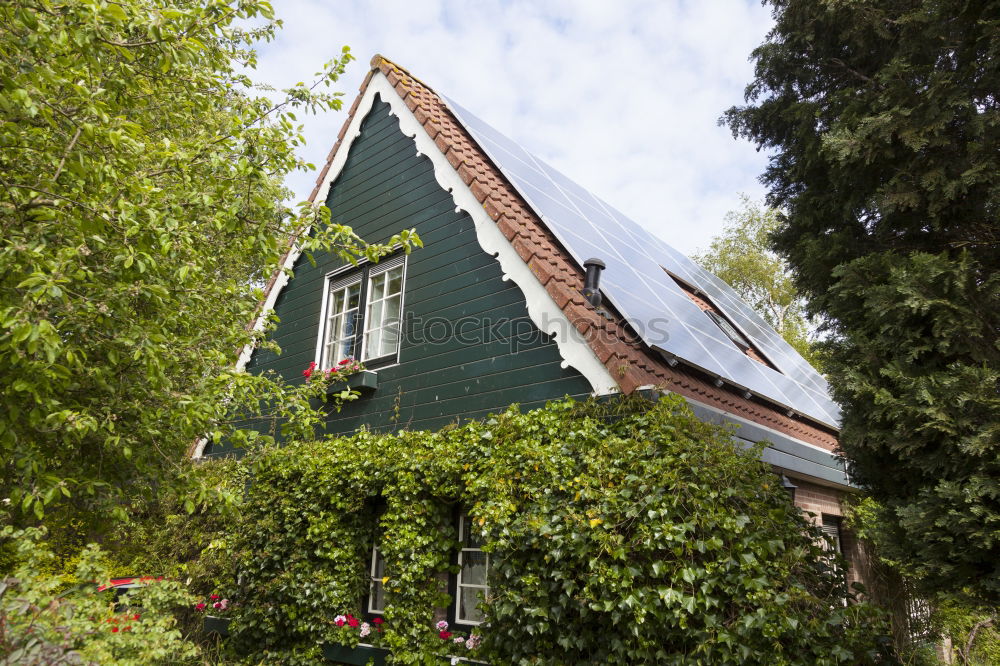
column 390, row 339
column 377, row 601
column 374, row 315
column 346, row 350
column 473, row 567
column 350, row 319
column 468, row 599
column 395, row 280
column 470, row 536
column 338, row 302
column 377, row 287
column 354, row 295
column 391, row 308
column 373, row 344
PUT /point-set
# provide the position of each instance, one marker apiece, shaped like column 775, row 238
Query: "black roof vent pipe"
column 592, row 281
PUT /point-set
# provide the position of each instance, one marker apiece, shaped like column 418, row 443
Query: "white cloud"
column 623, row 97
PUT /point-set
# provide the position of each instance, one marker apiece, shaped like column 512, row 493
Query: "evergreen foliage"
column 620, row 533
column 884, row 120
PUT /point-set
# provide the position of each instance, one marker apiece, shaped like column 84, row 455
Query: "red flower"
column 445, row 634
column 345, row 361
column 352, row 622
column 377, row 620
column 200, row 607
column 135, row 617
column 214, row 597
column 340, row 623
column 307, row 373
column 128, row 628
column 114, row 630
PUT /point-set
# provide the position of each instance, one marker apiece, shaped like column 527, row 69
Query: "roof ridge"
column 376, row 64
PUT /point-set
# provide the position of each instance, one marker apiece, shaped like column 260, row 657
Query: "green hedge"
column 625, row 532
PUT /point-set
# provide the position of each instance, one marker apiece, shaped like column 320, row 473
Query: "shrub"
column 625, row 532
column 46, row 621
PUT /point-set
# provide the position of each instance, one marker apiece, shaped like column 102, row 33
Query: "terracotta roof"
column 617, row 346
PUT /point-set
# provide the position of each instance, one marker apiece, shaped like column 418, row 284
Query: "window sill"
column 364, row 381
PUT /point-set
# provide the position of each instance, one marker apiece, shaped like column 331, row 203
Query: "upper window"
column 363, row 314
column 473, row 572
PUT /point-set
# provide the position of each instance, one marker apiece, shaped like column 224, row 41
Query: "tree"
column 884, row 120
column 140, row 202
column 742, row 256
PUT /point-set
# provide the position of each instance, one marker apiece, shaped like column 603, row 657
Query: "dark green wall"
column 383, row 188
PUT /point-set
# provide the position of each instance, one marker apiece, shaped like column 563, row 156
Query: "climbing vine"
column 621, row 532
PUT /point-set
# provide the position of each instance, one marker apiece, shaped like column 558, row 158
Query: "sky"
column 622, row 96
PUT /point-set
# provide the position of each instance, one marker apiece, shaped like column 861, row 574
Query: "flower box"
column 364, row 381
column 217, row 625
column 359, row 656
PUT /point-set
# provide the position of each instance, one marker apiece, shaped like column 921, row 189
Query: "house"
column 504, row 305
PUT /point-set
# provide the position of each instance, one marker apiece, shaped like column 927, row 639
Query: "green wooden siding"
column 383, row 188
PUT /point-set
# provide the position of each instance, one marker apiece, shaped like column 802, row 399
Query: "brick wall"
column 816, row 500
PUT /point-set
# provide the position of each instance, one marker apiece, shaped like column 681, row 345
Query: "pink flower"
column 216, row 605
column 224, row 603
column 340, row 620
column 473, row 642
column 445, row 635
column 365, row 629
column 442, row 625
column 458, row 639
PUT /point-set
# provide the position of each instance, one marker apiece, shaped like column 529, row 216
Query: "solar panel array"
column 636, row 282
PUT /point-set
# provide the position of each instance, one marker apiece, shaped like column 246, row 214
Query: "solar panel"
column 637, row 283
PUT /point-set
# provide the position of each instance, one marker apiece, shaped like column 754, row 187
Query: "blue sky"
column 622, row 96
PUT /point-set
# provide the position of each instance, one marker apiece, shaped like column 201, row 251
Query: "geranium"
column 345, row 361
column 307, row 373
column 442, row 625
column 340, row 620
column 114, row 630
column 458, row 639
column 445, row 635
column 378, row 620
column 473, row 642
column 365, row 629
column 352, row 622
column 200, row 606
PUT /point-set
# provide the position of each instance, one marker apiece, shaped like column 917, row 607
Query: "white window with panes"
column 363, row 314
column 376, row 592
column 471, row 584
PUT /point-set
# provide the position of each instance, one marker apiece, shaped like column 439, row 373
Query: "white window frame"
column 462, row 523
column 376, row 581
column 363, row 274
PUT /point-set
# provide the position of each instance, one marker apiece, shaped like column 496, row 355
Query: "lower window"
column 376, row 592
column 471, row 585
